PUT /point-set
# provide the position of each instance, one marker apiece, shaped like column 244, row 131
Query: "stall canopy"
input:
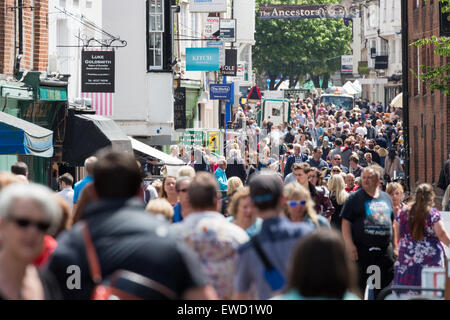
column 155, row 153
column 398, row 101
column 18, row 136
column 88, row 133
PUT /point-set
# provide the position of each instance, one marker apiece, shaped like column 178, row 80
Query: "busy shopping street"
column 227, row 150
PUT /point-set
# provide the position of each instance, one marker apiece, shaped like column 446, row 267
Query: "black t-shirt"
column 371, row 218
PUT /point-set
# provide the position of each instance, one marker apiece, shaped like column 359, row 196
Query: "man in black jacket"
column 125, row 237
column 236, row 166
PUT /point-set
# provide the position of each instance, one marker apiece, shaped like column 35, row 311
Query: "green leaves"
column 293, row 48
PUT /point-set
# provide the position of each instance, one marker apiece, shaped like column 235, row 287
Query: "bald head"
column 89, row 164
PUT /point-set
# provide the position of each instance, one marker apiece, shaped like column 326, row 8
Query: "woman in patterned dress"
column 421, row 231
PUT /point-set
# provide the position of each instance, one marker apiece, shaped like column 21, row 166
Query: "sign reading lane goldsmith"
column 97, row 71
column 308, row 11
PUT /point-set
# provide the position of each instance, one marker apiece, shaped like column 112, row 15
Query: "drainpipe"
column 405, row 74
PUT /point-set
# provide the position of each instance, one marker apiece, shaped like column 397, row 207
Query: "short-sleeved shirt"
column 215, row 241
column 277, row 238
column 79, row 186
column 371, row 218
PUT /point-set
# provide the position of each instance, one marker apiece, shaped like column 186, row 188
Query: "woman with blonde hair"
column 233, row 184
column 338, row 195
column 161, row 208
column 241, row 213
column 421, row 231
column 300, row 206
column 395, row 191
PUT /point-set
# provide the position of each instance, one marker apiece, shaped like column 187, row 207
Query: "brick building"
column 34, row 34
column 429, row 130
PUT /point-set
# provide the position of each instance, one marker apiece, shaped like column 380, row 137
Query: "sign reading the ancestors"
column 308, row 11
column 97, row 71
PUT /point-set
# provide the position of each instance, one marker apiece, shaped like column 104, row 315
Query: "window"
column 62, row 3
column 76, row 3
column 88, row 4
column 156, row 34
column 385, row 10
column 393, row 10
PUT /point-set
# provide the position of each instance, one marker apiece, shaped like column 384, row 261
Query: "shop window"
column 156, row 34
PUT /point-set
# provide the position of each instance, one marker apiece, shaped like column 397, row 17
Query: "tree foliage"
column 297, row 47
column 436, row 76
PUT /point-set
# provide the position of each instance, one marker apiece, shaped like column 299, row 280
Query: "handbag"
column 121, row 284
column 273, row 277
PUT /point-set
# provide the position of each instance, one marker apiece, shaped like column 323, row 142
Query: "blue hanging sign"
column 220, row 91
column 202, row 59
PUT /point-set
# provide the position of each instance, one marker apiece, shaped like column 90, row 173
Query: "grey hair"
column 38, row 193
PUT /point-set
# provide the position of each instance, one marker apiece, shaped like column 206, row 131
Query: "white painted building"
column 65, row 33
column 143, row 101
column 378, row 33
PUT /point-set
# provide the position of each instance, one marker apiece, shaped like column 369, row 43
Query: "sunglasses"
column 336, row 171
column 25, row 223
column 295, row 203
column 184, row 190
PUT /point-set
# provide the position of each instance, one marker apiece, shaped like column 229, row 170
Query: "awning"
column 155, row 153
column 88, row 133
column 398, row 101
column 18, row 136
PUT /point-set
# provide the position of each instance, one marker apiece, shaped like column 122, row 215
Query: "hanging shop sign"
column 212, row 27
column 97, row 71
column 221, row 46
column 309, row 11
column 208, row 5
column 347, row 64
column 381, row 62
column 220, row 91
column 179, row 108
column 228, row 30
column 202, row 59
column 230, row 66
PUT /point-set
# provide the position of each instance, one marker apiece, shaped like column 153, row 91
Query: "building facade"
column 377, row 38
column 428, row 114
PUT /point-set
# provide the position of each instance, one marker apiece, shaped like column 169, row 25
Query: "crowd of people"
column 301, row 210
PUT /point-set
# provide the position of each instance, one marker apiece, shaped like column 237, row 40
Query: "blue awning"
column 18, row 136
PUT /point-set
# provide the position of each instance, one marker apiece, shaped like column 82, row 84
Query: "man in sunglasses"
column 182, row 208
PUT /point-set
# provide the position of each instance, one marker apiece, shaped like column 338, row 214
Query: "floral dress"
column 414, row 255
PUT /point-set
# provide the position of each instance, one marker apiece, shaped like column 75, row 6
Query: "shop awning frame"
column 155, row 153
column 18, row 136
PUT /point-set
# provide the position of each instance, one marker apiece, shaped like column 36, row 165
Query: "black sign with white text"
column 179, row 108
column 97, row 71
column 230, row 67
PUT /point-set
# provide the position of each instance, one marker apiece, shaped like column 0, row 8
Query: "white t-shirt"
column 362, row 130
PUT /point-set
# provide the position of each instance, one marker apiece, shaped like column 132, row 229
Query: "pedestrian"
column 354, row 167
column 321, row 270
column 28, row 212
column 161, row 208
column 275, row 241
column 297, row 157
column 316, row 160
column 421, row 233
column 21, row 170
column 186, row 171
column 183, row 207
column 79, row 186
column 338, row 196
column 221, row 176
column 65, row 182
column 300, row 207
column 323, row 205
column 210, row 235
column 169, row 191
column 242, row 214
column 234, row 184
column 127, row 241
column 236, row 166
column 393, row 165
column 367, row 218
column 395, row 191
column 350, row 185
column 7, row 178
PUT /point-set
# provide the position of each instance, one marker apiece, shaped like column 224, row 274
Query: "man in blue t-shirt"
column 79, row 186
